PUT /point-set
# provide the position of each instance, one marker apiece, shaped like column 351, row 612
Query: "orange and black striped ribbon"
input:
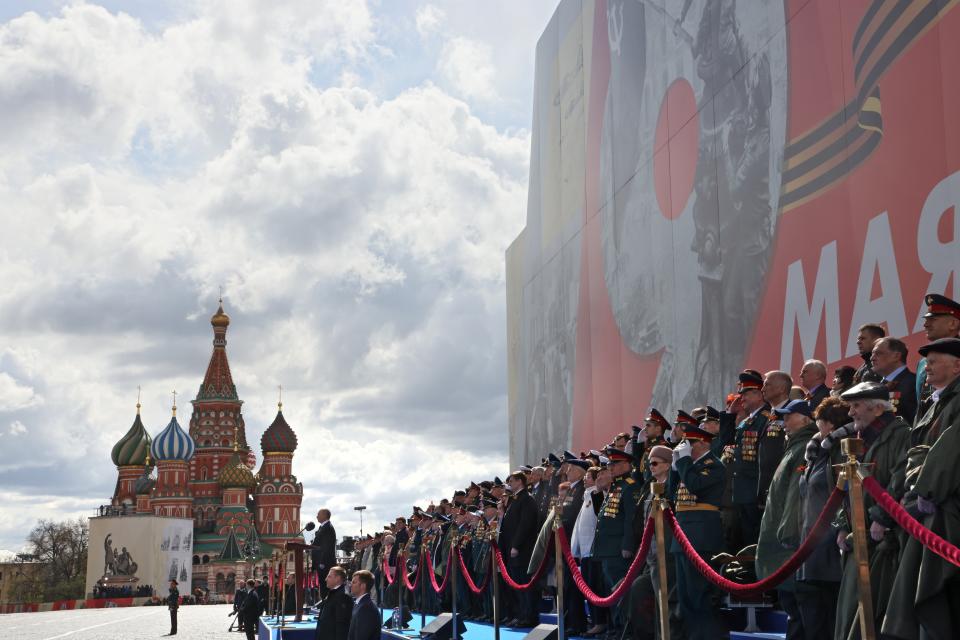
column 818, row 159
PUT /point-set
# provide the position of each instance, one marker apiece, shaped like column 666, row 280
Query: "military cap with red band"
column 655, row 416
column 617, row 455
column 694, row 432
column 750, row 379
column 938, row 305
column 684, row 419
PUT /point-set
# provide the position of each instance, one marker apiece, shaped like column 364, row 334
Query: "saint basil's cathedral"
column 206, row 472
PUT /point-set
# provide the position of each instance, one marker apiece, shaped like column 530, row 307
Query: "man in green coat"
column 926, row 590
column 886, row 438
column 780, row 525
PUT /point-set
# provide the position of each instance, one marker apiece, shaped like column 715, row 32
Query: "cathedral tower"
column 216, row 418
column 130, row 457
column 172, row 449
column 279, row 495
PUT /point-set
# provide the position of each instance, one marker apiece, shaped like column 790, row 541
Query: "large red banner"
column 717, row 185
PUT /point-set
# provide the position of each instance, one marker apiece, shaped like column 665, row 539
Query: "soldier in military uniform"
column 744, row 457
column 780, row 525
column 651, row 434
column 696, row 489
column 518, row 532
column 569, row 510
column 614, row 542
column 942, row 320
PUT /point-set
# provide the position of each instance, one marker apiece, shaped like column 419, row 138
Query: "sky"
column 350, row 172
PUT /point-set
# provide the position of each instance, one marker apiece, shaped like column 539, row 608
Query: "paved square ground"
column 208, row 622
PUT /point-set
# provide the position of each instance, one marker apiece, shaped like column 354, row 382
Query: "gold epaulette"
column 630, row 480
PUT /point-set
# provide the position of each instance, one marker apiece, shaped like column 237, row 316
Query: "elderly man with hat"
column 746, row 447
column 696, row 488
column 614, row 542
column 942, row 320
column 886, row 439
column 926, row 591
column 780, row 525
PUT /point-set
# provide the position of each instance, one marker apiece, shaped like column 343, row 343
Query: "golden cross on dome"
column 221, row 294
column 279, row 396
column 174, row 402
column 138, row 399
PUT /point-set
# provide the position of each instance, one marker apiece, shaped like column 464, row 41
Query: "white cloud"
column 17, row 428
column 429, row 19
column 468, row 66
column 15, row 396
column 359, row 238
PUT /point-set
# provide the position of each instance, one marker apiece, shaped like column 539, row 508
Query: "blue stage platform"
column 773, row 624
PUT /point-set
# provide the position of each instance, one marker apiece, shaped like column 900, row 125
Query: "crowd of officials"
column 746, row 483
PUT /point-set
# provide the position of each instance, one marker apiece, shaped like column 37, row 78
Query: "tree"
column 61, row 550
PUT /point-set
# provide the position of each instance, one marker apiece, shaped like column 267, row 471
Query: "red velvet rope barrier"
column 924, row 536
column 469, row 580
column 433, row 577
column 625, row 584
column 402, row 562
column 792, row 564
column 516, row 586
column 386, row 569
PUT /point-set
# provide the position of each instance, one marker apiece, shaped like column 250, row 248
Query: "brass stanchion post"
column 558, row 569
column 659, row 504
column 495, row 576
column 853, row 447
column 423, row 592
column 283, row 589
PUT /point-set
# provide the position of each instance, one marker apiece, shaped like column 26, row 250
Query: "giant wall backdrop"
column 718, row 184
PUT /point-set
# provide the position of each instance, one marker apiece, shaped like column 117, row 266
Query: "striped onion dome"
column 133, row 447
column 237, row 474
column 278, row 437
column 173, row 443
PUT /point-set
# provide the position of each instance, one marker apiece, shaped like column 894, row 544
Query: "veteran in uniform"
column 614, row 542
column 746, row 469
column 696, row 489
column 886, row 437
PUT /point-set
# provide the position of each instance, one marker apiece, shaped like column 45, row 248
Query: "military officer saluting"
column 614, row 542
column 696, row 488
column 746, row 468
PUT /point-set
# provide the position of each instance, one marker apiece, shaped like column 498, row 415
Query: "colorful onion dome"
column 220, row 319
column 237, row 474
column 278, row 437
column 133, row 447
column 173, row 443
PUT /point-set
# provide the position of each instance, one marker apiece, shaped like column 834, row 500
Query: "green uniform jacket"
column 889, row 455
column 922, row 575
column 615, row 521
column 746, row 468
column 703, row 479
column 780, row 526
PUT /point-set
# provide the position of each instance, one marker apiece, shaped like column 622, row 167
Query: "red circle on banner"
column 675, row 146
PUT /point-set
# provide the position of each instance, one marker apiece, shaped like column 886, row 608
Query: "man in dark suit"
column 889, row 359
column 250, row 610
column 333, row 623
column 365, row 617
column 518, row 533
column 325, row 556
column 867, row 336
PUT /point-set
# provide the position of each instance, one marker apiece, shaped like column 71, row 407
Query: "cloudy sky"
column 349, row 171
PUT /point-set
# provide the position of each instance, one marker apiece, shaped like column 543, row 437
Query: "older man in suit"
column 365, row 617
